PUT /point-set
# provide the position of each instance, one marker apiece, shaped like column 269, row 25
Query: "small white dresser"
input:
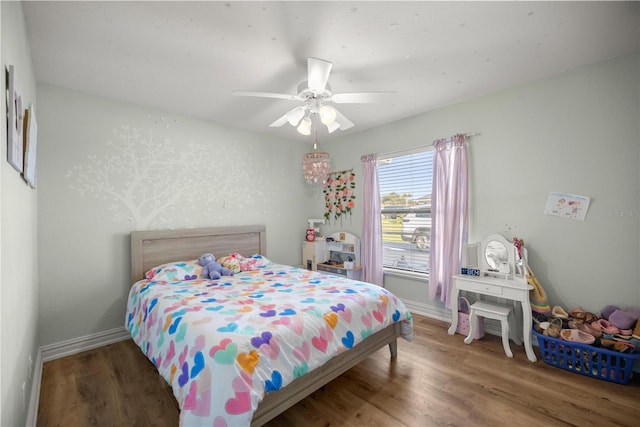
column 331, row 256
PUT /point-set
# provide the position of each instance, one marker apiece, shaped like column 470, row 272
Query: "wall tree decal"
column 149, row 182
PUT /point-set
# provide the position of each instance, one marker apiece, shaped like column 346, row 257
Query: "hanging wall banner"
column 339, row 197
column 567, row 205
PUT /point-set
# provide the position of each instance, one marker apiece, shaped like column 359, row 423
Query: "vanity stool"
column 490, row 311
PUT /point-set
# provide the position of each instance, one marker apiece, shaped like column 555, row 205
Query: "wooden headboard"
column 152, row 248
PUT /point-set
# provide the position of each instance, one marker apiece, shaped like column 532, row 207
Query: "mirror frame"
column 511, row 259
column 473, row 256
column 499, row 255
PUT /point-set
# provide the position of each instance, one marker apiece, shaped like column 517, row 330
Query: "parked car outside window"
column 416, row 227
column 393, row 211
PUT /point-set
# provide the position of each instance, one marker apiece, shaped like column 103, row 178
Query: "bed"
column 242, row 349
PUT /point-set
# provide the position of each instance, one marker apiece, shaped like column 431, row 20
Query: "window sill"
column 413, row 275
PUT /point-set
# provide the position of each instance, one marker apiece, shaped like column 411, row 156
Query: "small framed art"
column 15, row 121
column 567, row 205
column 30, row 146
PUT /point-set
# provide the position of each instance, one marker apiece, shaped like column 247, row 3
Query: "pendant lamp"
column 316, row 165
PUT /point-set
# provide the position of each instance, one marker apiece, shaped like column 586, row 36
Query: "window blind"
column 405, row 181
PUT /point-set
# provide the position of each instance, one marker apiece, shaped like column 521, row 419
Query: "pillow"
column 259, row 261
column 238, row 263
column 232, row 262
column 175, row 271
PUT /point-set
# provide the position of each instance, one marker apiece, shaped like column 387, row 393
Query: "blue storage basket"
column 595, row 362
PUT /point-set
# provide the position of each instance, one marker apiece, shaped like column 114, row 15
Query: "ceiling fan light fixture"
column 294, row 116
column 327, row 114
column 315, row 92
column 331, row 127
column 304, row 128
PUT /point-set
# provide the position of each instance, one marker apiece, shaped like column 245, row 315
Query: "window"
column 405, row 199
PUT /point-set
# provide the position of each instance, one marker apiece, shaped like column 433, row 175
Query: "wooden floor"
column 436, row 380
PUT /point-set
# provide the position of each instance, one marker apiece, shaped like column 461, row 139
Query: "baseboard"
column 50, row 352
column 80, row 344
column 491, row 326
column 34, row 399
column 433, row 312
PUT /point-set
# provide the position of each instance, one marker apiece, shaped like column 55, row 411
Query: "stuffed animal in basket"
column 212, row 269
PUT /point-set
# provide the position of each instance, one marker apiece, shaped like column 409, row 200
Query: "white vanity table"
column 501, row 275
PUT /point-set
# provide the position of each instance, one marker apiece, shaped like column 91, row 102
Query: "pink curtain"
column 449, row 216
column 371, row 252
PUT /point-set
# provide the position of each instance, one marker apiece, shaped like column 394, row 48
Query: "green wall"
column 578, row 133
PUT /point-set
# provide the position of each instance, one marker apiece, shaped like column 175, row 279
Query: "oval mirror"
column 496, row 254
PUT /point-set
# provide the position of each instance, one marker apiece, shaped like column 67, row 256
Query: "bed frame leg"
column 393, row 348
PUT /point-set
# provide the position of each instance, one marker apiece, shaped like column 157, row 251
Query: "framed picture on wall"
column 566, row 205
column 15, row 118
column 30, row 146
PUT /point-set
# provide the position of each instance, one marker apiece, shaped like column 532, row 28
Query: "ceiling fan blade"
column 333, row 126
column 294, row 116
column 359, row 98
column 282, row 120
column 344, row 122
column 267, row 95
column 318, row 72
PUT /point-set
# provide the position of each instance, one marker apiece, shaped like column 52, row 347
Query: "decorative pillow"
column 259, row 261
column 175, row 271
column 238, row 263
column 232, row 262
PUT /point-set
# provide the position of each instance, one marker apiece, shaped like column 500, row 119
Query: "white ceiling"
column 188, row 57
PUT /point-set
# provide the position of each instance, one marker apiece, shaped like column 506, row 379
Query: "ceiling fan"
column 315, row 93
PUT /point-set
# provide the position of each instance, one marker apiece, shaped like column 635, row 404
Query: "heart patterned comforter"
column 223, row 344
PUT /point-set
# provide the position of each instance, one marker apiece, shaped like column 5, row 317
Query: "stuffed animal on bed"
column 212, row 269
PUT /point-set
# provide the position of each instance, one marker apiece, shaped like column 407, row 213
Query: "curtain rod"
column 339, row 172
column 467, row 135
